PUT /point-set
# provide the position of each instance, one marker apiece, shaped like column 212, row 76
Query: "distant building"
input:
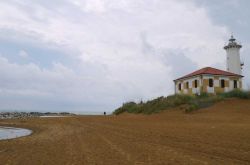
column 212, row 80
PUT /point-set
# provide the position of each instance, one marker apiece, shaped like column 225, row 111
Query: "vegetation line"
column 190, row 103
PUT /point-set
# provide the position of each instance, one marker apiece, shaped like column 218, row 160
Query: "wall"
column 233, row 60
column 203, row 84
column 191, row 89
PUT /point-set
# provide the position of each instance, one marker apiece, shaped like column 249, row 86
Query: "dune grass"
column 191, row 103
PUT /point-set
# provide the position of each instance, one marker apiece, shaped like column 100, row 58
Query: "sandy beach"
column 216, row 135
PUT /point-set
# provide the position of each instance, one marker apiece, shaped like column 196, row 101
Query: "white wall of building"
column 210, row 89
column 233, row 60
column 190, row 82
column 216, row 83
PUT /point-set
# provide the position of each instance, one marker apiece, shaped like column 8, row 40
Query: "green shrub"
column 154, row 106
column 203, row 95
column 193, row 102
column 236, row 93
column 176, row 100
column 126, row 107
column 191, row 108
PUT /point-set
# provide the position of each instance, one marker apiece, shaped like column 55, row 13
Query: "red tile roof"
column 211, row 71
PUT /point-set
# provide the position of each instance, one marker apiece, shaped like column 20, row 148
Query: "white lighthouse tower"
column 234, row 64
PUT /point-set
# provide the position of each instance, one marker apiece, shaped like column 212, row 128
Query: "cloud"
column 121, row 50
column 23, row 54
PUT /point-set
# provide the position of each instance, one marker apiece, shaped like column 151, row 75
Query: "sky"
column 94, row 55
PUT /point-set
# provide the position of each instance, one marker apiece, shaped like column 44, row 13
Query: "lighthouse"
column 234, row 64
column 212, row 80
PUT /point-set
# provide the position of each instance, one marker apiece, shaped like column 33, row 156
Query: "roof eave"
column 207, row 74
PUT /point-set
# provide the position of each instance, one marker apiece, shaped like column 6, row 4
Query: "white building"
column 212, row 80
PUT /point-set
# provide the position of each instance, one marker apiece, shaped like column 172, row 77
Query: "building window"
column 187, row 85
column 211, row 82
column 222, row 83
column 179, row 86
column 195, row 83
column 235, row 84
